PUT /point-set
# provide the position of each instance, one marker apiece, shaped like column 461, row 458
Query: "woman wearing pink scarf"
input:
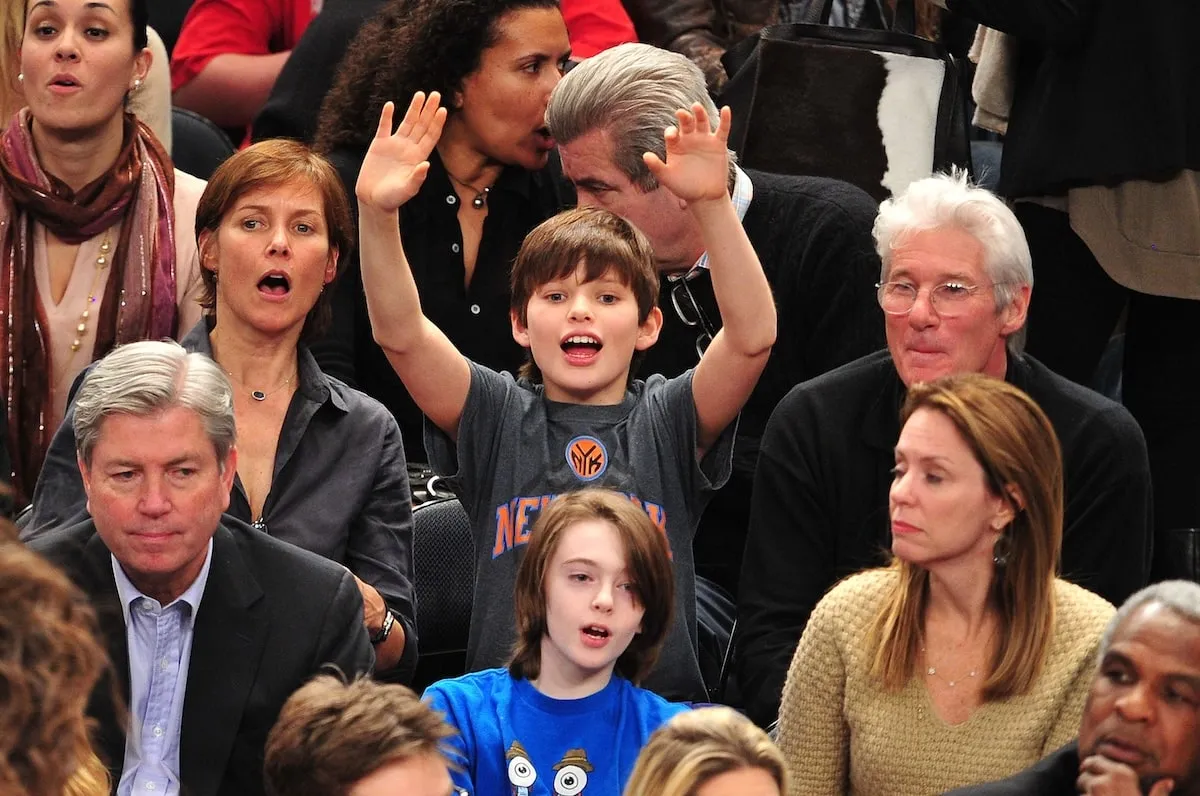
column 96, row 245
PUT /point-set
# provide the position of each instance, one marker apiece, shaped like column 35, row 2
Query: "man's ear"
column 228, row 473
column 520, row 332
column 649, row 330
column 1017, row 311
column 85, row 473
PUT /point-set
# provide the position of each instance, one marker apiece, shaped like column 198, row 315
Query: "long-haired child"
column 594, row 596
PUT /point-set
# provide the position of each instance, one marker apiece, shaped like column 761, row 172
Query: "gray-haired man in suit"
column 209, row 624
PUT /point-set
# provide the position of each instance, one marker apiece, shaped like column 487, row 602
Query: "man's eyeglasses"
column 688, row 309
column 949, row 299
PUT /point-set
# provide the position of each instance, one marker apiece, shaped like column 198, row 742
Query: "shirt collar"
column 191, row 596
column 313, row 382
column 743, row 194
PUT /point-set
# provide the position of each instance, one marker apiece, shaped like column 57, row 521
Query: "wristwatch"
column 389, row 619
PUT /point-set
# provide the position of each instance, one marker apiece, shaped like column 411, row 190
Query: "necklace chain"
column 481, row 196
column 932, row 671
column 101, row 265
column 259, row 395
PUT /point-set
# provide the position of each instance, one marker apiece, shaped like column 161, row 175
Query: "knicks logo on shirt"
column 587, row 457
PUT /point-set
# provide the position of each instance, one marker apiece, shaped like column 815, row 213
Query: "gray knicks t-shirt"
column 517, row 450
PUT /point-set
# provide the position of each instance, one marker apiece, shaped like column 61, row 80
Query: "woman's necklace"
column 259, row 395
column 101, row 264
column 481, row 196
column 933, row 672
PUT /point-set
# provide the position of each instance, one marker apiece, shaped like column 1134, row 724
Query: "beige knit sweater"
column 843, row 734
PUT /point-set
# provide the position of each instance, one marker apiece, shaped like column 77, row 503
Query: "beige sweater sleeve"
column 1089, row 615
column 813, row 734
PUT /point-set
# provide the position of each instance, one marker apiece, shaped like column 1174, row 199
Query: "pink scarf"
column 139, row 297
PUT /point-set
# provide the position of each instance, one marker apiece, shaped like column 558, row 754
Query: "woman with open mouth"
column 319, row 464
column 493, row 175
column 95, row 242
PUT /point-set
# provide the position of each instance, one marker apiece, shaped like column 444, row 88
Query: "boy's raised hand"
column 396, row 164
column 697, row 167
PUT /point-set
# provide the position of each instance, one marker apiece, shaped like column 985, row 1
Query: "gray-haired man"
column 812, row 235
column 1140, row 732
column 210, row 625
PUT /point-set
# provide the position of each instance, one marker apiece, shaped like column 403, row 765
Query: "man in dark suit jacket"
column 1140, row 732
column 210, row 625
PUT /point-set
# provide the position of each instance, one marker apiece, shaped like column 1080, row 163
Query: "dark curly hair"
column 409, row 46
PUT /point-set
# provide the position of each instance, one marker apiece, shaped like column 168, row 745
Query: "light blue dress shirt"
column 743, row 194
column 160, row 648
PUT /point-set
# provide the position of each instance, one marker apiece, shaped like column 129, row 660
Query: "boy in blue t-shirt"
column 584, row 301
column 593, row 604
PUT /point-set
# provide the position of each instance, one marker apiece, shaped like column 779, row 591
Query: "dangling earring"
column 1002, row 551
column 20, row 77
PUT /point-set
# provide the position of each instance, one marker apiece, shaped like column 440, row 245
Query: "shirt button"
column 149, row 786
column 454, row 247
column 158, row 731
column 451, row 199
column 165, row 664
column 474, row 309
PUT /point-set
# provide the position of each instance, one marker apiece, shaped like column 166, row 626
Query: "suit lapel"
column 227, row 647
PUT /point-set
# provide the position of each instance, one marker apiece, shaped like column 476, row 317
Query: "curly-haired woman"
column 492, row 178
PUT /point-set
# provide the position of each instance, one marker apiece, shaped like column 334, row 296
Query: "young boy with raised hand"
column 593, row 604
column 584, row 301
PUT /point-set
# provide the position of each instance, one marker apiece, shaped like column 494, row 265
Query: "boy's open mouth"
column 580, row 347
column 275, row 284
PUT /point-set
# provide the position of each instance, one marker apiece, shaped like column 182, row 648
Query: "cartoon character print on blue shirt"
column 572, row 773
column 520, row 769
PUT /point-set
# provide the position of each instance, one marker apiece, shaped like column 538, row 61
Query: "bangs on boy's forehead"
column 596, row 268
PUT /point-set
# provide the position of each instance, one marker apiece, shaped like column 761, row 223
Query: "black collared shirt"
column 474, row 317
column 339, row 488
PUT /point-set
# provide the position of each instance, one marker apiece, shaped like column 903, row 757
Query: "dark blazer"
column 271, row 616
column 1053, row 775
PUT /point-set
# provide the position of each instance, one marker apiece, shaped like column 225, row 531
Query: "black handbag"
column 876, row 108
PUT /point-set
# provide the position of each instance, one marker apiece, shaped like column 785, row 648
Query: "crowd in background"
column 907, row 488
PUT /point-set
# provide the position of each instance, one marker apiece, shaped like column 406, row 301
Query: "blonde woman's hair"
column 698, row 745
column 1015, row 444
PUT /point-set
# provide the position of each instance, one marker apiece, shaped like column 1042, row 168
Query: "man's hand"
column 396, row 164
column 374, row 607
column 697, row 167
column 1099, row 776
